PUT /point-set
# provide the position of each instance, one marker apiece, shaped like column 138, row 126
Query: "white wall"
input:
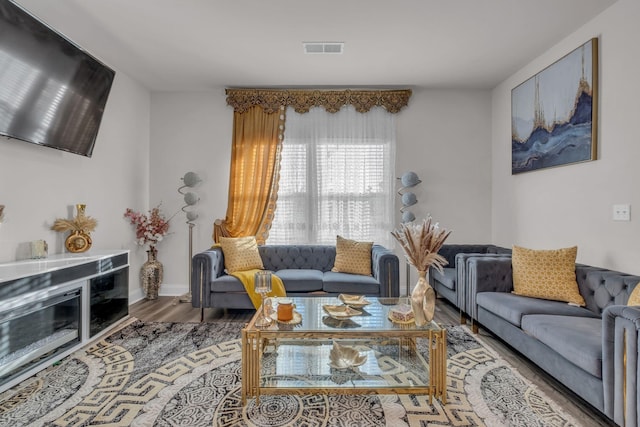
column 39, row 184
column 189, row 132
column 572, row 205
column 444, row 136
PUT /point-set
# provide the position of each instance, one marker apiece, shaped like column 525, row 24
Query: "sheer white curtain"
column 336, row 177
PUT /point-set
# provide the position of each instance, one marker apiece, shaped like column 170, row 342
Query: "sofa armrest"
column 487, row 274
column 385, row 267
column 206, row 266
column 620, row 376
column 462, row 274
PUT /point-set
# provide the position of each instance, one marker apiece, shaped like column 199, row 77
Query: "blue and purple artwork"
column 553, row 114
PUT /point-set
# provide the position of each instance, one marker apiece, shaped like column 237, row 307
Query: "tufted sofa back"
column 312, row 257
column 449, row 251
column 601, row 288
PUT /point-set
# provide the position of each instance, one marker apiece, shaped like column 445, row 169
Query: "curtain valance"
column 302, row 100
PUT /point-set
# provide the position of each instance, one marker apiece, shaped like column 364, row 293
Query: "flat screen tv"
column 52, row 93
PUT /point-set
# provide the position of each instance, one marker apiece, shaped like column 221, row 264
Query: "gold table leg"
column 438, row 365
column 251, row 349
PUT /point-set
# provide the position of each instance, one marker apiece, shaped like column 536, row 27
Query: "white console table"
column 51, row 307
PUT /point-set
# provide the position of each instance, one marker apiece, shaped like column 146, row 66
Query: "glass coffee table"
column 370, row 353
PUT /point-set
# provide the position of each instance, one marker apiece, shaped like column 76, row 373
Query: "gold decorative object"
column 340, row 312
column 343, row 357
column 421, row 243
column 151, row 274
column 354, row 301
column 303, row 100
column 79, row 240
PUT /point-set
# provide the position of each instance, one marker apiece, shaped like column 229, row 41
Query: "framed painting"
column 554, row 113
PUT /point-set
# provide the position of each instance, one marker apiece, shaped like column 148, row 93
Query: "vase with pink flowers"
column 151, row 228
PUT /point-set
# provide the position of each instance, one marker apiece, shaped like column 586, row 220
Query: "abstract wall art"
column 554, row 113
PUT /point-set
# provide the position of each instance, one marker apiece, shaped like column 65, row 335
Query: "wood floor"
column 169, row 309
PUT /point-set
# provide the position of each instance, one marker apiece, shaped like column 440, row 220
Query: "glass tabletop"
column 373, row 317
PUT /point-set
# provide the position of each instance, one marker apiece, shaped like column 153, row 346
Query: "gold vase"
column 78, row 241
column 423, row 300
column 151, row 274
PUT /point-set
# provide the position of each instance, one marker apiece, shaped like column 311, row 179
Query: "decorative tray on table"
column 343, row 357
column 341, row 311
column 354, row 301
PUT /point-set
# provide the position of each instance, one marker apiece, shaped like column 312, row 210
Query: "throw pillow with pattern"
column 546, row 274
column 240, row 253
column 352, row 257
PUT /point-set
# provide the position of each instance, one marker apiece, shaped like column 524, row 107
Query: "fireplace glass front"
column 36, row 328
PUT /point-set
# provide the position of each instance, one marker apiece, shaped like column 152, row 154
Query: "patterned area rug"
column 188, row 374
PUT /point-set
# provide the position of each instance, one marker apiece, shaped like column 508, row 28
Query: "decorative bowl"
column 354, row 301
column 343, row 357
column 341, row 312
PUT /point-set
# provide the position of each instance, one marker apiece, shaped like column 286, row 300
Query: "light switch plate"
column 622, row 212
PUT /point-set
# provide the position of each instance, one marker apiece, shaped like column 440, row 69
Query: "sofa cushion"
column 577, row 339
column 301, row 280
column 226, row 283
column 548, row 274
column 350, row 284
column 512, row 307
column 240, row 254
column 447, row 277
column 352, row 256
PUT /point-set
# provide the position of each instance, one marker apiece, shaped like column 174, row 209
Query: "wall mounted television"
column 52, row 92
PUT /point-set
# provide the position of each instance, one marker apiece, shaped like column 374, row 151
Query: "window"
column 336, row 177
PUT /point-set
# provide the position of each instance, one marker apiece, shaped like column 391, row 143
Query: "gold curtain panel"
column 303, row 100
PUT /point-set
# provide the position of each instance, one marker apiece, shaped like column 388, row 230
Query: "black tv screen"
column 52, row 92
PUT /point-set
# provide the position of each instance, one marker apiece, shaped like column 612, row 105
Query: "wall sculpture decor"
column 554, row 113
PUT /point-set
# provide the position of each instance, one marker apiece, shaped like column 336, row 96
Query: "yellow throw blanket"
column 248, row 277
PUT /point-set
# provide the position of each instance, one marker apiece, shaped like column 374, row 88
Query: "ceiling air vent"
column 323, row 47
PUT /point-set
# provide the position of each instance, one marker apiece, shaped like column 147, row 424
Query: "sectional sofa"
column 450, row 282
column 304, row 269
column 592, row 350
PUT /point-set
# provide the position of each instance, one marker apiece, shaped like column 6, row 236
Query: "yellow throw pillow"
column 352, row 257
column 634, row 298
column 546, row 274
column 240, row 253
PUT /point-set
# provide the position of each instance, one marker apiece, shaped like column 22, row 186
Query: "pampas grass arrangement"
column 81, row 223
column 421, row 243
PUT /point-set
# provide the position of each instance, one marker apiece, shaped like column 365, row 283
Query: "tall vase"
column 423, row 300
column 151, row 274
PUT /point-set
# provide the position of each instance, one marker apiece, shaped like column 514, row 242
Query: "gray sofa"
column 451, row 282
column 304, row 269
column 592, row 350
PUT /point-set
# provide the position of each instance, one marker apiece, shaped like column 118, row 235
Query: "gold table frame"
column 256, row 339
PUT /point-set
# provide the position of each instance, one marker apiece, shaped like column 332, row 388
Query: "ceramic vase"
column 151, row 274
column 423, row 300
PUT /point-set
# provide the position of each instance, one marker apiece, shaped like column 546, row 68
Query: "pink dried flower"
column 151, row 228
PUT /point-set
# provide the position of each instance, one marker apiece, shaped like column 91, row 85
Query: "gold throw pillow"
column 240, row 253
column 546, row 274
column 352, row 257
column 634, row 298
